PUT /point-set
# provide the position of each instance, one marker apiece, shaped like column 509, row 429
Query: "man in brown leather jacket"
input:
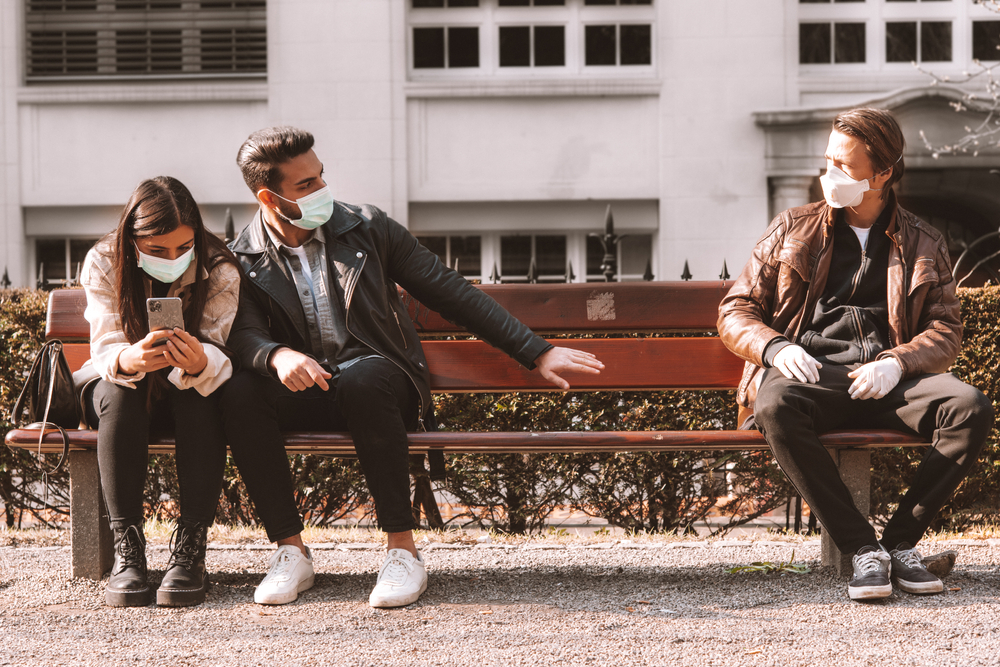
column 846, row 315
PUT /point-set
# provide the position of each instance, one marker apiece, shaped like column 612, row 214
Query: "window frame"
column 490, row 17
column 105, row 22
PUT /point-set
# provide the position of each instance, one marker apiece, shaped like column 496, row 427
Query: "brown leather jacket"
column 778, row 289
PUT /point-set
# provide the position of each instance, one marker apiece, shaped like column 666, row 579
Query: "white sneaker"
column 290, row 572
column 400, row 581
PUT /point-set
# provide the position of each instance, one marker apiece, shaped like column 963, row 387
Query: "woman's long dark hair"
column 159, row 206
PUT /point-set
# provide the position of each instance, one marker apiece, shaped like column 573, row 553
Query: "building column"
column 789, row 191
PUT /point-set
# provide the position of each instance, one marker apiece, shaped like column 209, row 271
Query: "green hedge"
column 516, row 493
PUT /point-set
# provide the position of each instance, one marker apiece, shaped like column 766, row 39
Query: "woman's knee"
column 111, row 399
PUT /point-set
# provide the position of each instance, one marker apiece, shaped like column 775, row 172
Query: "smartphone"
column 164, row 313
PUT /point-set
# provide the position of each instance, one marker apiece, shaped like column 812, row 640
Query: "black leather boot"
column 186, row 580
column 127, row 585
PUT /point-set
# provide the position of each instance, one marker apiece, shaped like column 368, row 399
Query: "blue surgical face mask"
column 316, row 208
column 165, row 270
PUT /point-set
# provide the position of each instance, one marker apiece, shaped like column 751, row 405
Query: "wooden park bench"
column 644, row 363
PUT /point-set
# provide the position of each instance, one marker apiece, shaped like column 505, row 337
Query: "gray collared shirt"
column 328, row 335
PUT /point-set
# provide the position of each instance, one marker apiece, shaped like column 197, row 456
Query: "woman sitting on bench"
column 159, row 373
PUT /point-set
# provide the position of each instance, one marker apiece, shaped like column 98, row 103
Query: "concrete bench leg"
column 92, row 542
column 856, row 470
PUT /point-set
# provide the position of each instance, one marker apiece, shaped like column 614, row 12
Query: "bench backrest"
column 697, row 362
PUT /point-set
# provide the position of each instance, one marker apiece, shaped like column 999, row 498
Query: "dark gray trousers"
column 954, row 417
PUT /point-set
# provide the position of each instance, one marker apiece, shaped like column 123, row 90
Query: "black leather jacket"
column 371, row 254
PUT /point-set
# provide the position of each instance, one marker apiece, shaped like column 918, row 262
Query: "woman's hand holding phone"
column 185, row 352
column 145, row 356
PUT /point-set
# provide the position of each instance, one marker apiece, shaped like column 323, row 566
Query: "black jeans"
column 954, row 417
column 124, row 425
column 373, row 399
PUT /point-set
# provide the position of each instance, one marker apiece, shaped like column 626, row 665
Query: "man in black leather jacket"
column 326, row 344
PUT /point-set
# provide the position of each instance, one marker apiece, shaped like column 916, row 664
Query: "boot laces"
column 131, row 548
column 184, row 546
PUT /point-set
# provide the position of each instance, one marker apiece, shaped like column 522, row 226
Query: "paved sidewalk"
column 537, row 603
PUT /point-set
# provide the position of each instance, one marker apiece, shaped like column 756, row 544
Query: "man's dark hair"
column 266, row 150
column 878, row 130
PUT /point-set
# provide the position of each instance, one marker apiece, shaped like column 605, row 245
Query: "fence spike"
column 570, row 276
column 495, row 276
column 648, row 275
column 687, row 273
column 5, row 283
column 725, row 272
column 532, row 273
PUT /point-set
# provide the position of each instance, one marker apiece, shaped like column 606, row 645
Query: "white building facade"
column 498, row 131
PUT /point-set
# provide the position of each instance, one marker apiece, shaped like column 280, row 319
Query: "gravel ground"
column 536, row 603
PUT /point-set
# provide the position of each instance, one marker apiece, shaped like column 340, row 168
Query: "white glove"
column 796, row 364
column 875, row 379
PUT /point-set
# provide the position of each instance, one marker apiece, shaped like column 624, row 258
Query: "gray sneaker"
column 871, row 575
column 910, row 574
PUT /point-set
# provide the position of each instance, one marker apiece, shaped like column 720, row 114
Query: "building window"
column 517, row 37
column 618, row 45
column 821, row 43
column 445, row 47
column 58, row 261
column 128, row 39
column 912, row 41
column 462, row 253
column 532, row 46
column 511, row 257
column 986, row 40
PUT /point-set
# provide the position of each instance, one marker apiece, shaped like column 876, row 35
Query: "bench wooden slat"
column 597, row 307
column 565, row 308
column 631, row 363
column 340, row 444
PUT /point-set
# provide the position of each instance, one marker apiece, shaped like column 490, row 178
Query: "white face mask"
column 165, row 270
column 316, row 208
column 840, row 190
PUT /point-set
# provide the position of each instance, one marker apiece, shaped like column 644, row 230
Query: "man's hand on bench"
column 552, row 363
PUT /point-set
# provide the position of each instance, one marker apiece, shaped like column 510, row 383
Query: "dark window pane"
column 900, row 42
column 599, row 2
column 515, row 256
column 463, row 3
column 636, row 45
column 78, row 249
column 935, row 41
column 51, row 257
column 806, row 2
column 849, row 43
column 467, row 251
column 986, row 40
column 515, row 3
column 636, row 2
column 550, row 46
column 437, row 245
column 463, row 47
column 548, row 3
column 417, row 4
column 595, row 257
column 515, row 46
column 814, row 43
column 600, row 47
column 550, row 256
column 428, row 47
column 636, row 253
